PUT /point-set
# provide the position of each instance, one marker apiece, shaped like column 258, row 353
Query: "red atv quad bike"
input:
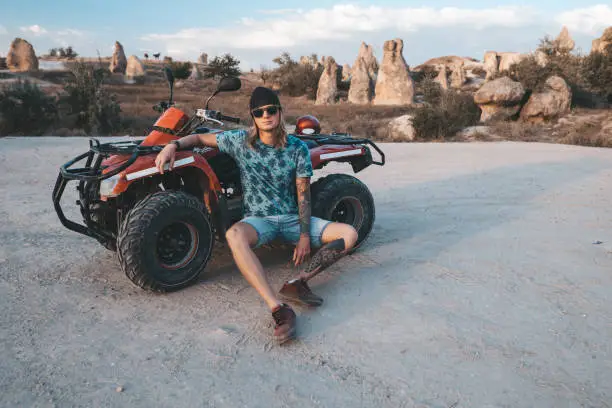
column 163, row 227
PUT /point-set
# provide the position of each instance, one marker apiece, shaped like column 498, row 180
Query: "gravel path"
column 481, row 286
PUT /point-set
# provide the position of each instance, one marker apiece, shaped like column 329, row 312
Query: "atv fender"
column 144, row 167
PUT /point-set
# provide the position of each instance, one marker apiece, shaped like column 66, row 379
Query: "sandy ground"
column 481, row 286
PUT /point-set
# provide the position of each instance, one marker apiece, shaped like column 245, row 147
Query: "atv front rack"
column 92, row 172
column 343, row 139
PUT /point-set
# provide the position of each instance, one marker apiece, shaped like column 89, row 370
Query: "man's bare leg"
column 338, row 239
column 241, row 237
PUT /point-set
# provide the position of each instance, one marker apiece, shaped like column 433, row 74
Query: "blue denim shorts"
column 286, row 228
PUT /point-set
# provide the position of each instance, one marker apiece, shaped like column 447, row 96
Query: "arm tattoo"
column 303, row 196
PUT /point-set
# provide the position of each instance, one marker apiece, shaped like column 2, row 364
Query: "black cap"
column 262, row 96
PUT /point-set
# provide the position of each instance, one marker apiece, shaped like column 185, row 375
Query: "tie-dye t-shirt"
column 268, row 174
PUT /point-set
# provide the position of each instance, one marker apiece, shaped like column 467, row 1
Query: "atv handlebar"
column 215, row 116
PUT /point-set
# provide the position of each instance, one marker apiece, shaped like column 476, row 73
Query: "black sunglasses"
column 272, row 110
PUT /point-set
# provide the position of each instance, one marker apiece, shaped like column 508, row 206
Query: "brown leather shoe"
column 298, row 290
column 284, row 317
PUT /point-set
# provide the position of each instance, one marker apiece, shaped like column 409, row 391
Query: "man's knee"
column 236, row 236
column 350, row 236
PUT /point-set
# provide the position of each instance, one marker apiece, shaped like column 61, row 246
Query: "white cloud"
column 590, row 20
column 3, row 29
column 35, row 30
column 336, row 23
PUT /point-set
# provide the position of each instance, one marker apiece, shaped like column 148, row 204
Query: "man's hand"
column 165, row 156
column 302, row 250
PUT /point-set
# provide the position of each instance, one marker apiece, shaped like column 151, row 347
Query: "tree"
column 227, row 65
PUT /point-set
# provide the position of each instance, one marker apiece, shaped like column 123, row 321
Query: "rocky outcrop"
column 394, row 86
column 195, row 73
column 442, row 77
column 499, row 99
column 602, row 43
column 366, row 53
column 203, row 58
column 21, row 56
column 507, row 59
column 361, row 90
column 328, row 86
column 401, row 129
column 541, row 58
column 491, row 63
column 564, row 42
column 135, row 69
column 458, row 76
column 118, row 63
column 552, row 102
column 346, row 72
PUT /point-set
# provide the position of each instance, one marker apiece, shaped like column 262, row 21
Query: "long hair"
column 280, row 133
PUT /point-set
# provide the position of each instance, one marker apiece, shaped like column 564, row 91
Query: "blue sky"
column 256, row 31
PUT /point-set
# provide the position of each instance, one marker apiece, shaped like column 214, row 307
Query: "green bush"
column 597, row 72
column 295, row 79
column 180, row 70
column 224, row 66
column 444, row 114
column 26, row 110
column 94, row 109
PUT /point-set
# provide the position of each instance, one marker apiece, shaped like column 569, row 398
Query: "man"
column 275, row 169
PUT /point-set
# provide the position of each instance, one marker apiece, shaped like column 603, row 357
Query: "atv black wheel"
column 165, row 241
column 343, row 198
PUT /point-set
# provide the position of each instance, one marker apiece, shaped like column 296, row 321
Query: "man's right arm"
column 199, row 139
column 168, row 152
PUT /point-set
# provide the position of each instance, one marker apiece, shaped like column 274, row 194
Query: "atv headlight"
column 108, row 185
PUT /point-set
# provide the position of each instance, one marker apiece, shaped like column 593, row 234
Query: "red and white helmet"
column 307, row 125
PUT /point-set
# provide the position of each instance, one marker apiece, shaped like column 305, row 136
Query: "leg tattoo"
column 325, row 257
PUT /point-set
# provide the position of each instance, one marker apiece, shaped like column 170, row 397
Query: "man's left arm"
column 303, row 198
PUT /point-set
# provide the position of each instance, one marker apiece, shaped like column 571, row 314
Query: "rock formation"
column 394, row 86
column 552, row 102
column 135, row 69
column 346, row 72
column 491, row 63
column 507, row 59
column 499, row 99
column 361, row 90
column 118, row 62
column 328, row 86
column 602, row 43
column 401, row 129
column 366, row 52
column 458, row 76
column 442, row 77
column 21, row 56
column 195, row 73
column 203, row 59
column 564, row 42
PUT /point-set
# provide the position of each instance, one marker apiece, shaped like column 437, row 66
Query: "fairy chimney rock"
column 346, row 72
column 602, row 43
column 491, row 63
column 564, row 41
column 394, row 86
column 203, row 59
column 135, row 68
column 195, row 73
column 366, row 53
column 442, row 77
column 118, row 63
column 361, row 89
column 458, row 77
column 21, row 56
column 328, row 87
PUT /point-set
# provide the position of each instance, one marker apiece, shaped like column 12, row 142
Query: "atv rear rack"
column 343, row 139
